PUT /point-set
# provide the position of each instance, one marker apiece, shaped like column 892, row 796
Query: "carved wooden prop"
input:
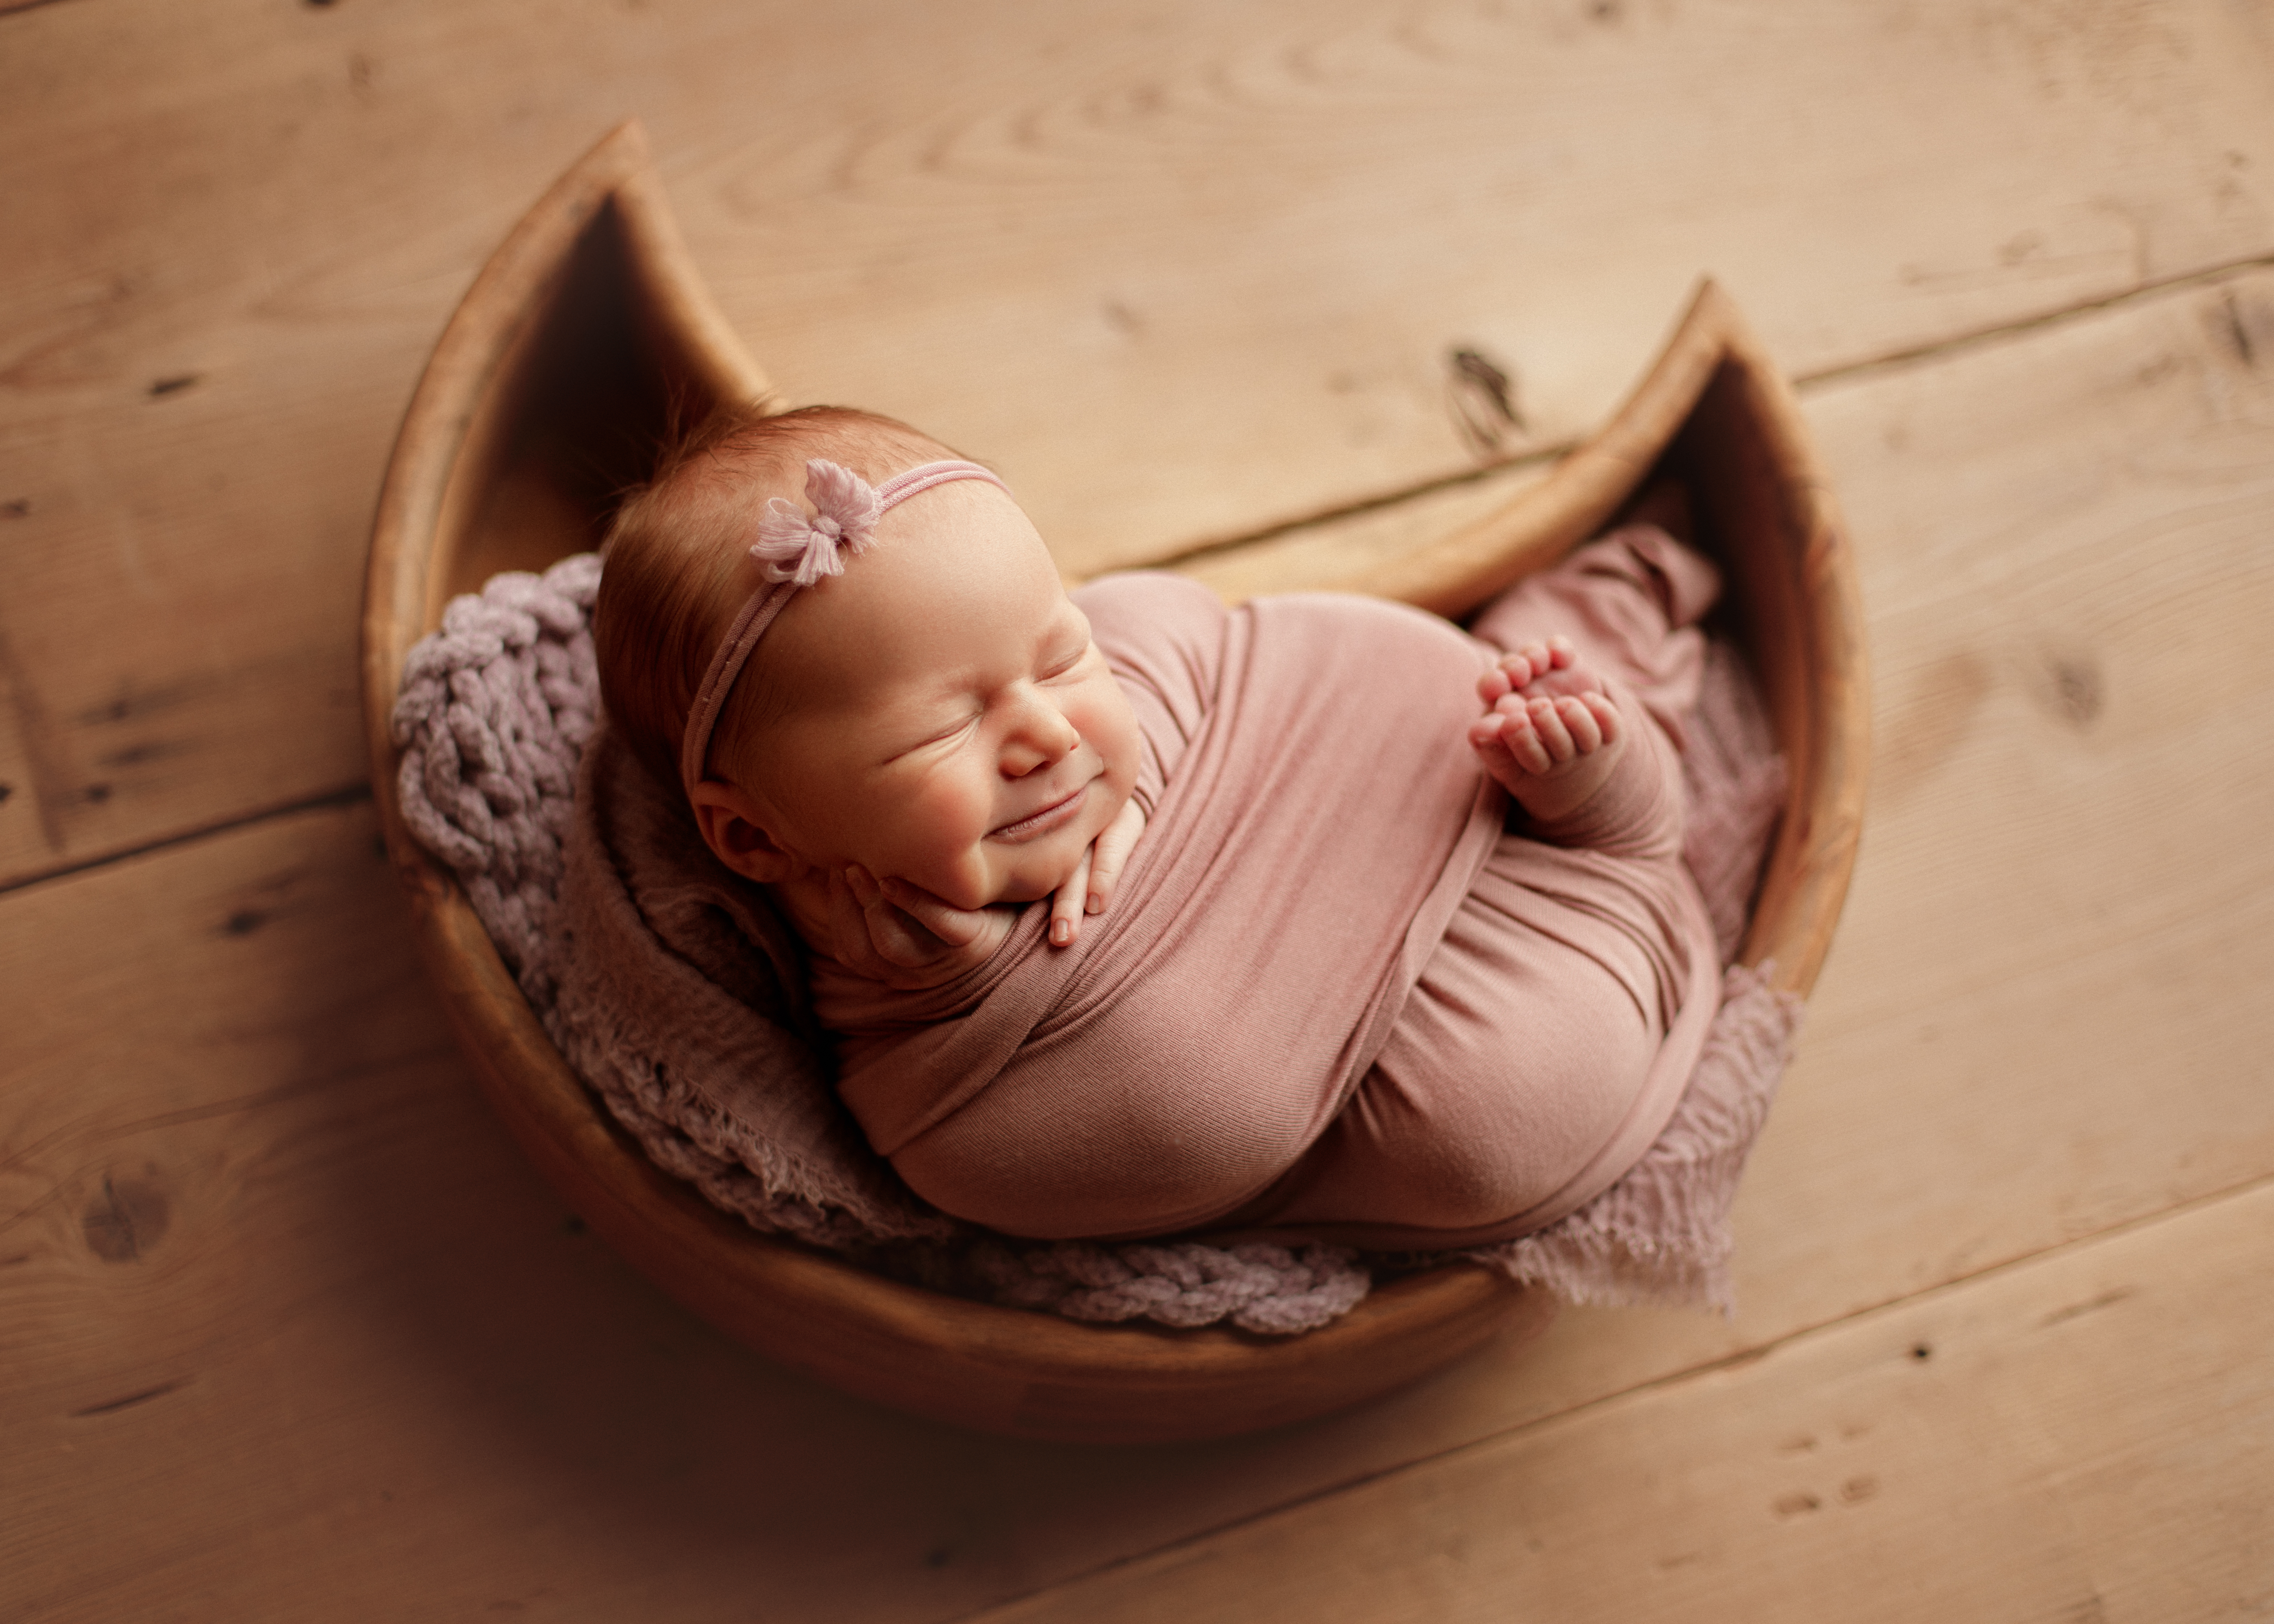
column 586, row 336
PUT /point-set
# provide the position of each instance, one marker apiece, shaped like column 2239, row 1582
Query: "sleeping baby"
column 1129, row 914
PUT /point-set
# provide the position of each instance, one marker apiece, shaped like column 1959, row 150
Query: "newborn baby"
column 1130, row 915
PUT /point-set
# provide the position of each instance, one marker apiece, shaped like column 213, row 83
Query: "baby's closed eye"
column 944, row 732
column 1066, row 661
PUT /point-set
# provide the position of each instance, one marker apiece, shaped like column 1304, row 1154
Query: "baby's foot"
column 1553, row 735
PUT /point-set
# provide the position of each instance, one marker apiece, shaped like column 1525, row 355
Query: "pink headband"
column 796, row 551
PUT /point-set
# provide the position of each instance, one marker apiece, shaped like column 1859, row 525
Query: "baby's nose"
column 1041, row 736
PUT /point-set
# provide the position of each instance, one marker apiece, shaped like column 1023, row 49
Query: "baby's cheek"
column 949, row 830
column 1106, row 720
column 979, row 880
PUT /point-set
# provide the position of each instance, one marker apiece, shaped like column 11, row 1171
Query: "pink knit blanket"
column 672, row 988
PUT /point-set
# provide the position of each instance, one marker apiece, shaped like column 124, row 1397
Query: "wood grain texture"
column 2011, row 1447
column 364, row 1371
column 2066, row 893
column 383, row 1381
column 1243, row 251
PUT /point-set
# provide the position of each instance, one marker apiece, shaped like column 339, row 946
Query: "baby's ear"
column 728, row 817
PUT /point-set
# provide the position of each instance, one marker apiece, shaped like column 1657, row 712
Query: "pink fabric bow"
column 795, row 547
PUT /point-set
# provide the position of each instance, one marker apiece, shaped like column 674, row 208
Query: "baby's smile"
column 1051, row 817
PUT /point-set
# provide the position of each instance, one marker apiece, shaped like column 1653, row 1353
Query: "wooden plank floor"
column 287, row 1331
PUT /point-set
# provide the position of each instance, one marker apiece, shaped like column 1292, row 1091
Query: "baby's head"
column 936, row 713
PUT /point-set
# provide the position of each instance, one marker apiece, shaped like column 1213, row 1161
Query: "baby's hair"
column 669, row 575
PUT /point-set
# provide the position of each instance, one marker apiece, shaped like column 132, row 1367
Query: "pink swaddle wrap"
column 675, row 991
column 1334, row 994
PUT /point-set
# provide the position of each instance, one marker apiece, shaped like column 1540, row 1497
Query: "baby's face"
column 949, row 721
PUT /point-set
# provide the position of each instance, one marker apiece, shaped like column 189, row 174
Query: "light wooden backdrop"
column 287, row 1332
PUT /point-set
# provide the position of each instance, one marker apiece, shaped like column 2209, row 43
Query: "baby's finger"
column 1580, row 722
column 897, row 937
column 1549, row 727
column 848, row 928
column 1067, row 902
column 1606, row 715
column 954, row 927
column 1524, row 744
column 1517, row 666
column 1110, row 852
column 1518, row 738
column 1485, row 738
column 1542, row 657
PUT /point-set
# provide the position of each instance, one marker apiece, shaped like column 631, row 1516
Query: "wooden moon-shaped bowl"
column 585, row 337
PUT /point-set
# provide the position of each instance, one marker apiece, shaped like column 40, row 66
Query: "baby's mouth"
column 1035, row 825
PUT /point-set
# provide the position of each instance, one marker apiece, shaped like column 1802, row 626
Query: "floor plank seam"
column 1802, row 383
column 33, row 732
column 1982, row 338
column 349, row 796
column 1577, row 1412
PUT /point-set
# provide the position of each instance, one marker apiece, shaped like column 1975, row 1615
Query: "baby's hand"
column 1549, row 669
column 901, row 935
column 1550, row 735
column 1090, row 888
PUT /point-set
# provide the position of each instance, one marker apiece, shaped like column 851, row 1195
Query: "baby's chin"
column 1038, row 870
column 984, row 879
column 1031, row 883
column 1023, row 892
